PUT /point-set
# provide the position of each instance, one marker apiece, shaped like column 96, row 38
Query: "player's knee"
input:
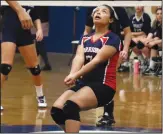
column 140, row 45
column 5, row 69
column 155, row 47
column 71, row 111
column 132, row 44
column 35, row 70
column 57, row 115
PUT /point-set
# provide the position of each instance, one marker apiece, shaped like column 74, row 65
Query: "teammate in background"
column 18, row 21
column 152, row 43
column 141, row 26
column 95, row 60
column 123, row 23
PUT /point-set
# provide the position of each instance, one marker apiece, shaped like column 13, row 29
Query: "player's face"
column 139, row 9
column 101, row 15
column 159, row 15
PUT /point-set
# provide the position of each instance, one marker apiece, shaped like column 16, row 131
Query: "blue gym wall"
column 61, row 28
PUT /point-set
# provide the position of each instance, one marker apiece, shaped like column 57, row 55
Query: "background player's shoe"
column 159, row 73
column 105, row 121
column 149, row 71
column 123, row 69
column 41, row 102
column 1, row 108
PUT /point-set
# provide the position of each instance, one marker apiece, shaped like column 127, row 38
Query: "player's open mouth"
column 97, row 17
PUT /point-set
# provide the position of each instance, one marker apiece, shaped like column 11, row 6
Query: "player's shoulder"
column 112, row 35
column 132, row 16
column 146, row 16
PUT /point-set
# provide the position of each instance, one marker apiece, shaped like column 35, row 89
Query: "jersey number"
column 89, row 57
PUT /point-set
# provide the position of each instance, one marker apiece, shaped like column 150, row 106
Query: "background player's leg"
column 30, row 57
column 108, row 116
column 7, row 56
column 42, row 51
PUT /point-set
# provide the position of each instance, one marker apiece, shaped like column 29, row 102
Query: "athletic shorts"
column 12, row 30
column 103, row 93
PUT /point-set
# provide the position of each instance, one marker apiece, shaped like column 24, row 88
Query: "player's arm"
column 78, row 61
column 87, row 30
column 125, row 23
column 24, row 17
column 127, row 38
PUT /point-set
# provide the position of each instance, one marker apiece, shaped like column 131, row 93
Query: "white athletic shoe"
column 41, row 102
column 1, row 108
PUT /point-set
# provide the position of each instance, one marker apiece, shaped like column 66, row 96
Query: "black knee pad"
column 36, row 70
column 58, row 115
column 155, row 47
column 140, row 45
column 71, row 111
column 132, row 44
column 5, row 69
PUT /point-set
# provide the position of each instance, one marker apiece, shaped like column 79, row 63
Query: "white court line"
column 87, row 132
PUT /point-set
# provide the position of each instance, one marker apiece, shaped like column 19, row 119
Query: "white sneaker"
column 1, row 108
column 42, row 102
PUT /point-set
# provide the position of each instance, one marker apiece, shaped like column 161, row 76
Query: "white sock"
column 126, row 64
column 152, row 64
column 39, row 91
column 160, row 53
column 140, row 57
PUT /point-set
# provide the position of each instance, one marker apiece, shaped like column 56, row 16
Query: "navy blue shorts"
column 103, row 93
column 12, row 30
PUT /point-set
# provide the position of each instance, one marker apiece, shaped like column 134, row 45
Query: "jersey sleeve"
column 114, row 41
column 89, row 19
column 81, row 40
column 34, row 14
column 147, row 24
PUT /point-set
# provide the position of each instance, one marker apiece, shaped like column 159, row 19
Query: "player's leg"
column 57, row 113
column 77, row 102
column 153, row 53
column 28, row 51
column 7, row 56
column 42, row 51
column 8, row 45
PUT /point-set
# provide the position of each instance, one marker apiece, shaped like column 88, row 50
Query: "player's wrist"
column 19, row 10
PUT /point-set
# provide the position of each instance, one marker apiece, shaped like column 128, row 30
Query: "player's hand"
column 123, row 55
column 39, row 35
column 25, row 19
column 70, row 80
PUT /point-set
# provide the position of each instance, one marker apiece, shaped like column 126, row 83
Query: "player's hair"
column 158, row 9
column 114, row 26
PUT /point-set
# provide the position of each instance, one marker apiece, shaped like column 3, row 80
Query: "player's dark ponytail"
column 114, row 26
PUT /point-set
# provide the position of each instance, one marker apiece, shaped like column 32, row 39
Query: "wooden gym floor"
column 137, row 101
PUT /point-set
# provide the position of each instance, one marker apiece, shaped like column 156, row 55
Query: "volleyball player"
column 95, row 60
column 16, row 33
column 124, row 24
